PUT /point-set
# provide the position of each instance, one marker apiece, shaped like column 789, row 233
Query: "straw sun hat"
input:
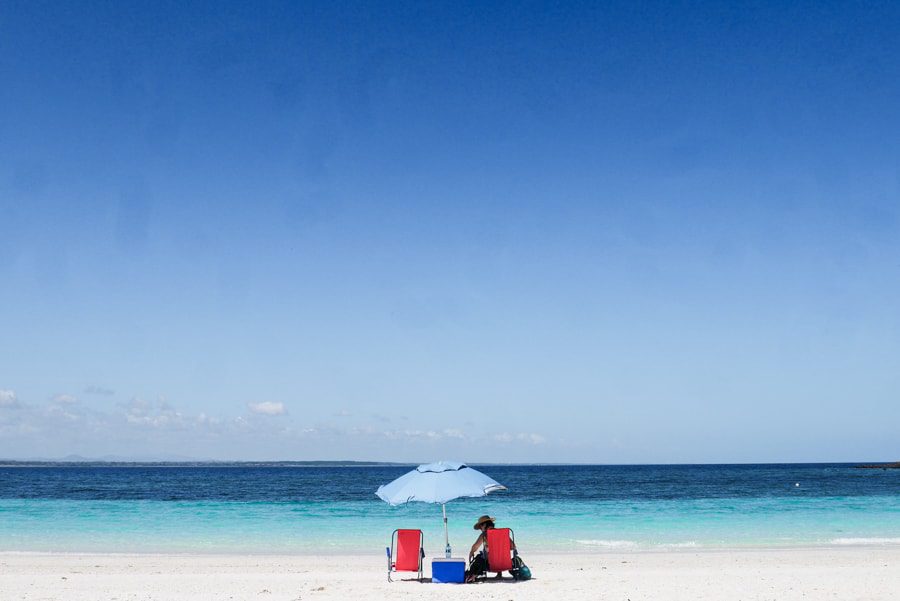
column 483, row 519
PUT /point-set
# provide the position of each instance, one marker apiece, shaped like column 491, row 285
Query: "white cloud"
column 56, row 411
column 531, row 438
column 66, row 423
column 206, row 420
column 343, row 413
column 363, row 430
column 455, row 435
column 8, row 398
column 157, row 415
column 94, row 389
column 527, row 437
column 267, row 408
column 413, row 435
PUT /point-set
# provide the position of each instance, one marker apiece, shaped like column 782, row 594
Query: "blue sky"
column 610, row 233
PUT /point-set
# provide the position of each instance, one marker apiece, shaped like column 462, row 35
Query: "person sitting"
column 478, row 559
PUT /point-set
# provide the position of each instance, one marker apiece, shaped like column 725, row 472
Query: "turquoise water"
column 260, row 527
column 87, row 512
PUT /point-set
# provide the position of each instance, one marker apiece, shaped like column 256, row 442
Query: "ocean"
column 275, row 508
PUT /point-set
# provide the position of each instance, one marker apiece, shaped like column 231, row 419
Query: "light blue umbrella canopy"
column 438, row 483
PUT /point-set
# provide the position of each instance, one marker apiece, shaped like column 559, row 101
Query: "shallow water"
column 278, row 509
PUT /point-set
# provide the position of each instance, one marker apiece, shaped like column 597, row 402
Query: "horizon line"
column 10, row 462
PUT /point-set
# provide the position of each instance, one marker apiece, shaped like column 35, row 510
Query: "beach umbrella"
column 438, row 483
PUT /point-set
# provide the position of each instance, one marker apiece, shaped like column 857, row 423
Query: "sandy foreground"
column 821, row 573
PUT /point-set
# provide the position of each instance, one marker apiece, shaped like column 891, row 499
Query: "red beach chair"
column 499, row 549
column 410, row 552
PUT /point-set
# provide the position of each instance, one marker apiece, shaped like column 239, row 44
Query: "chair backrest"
column 499, row 550
column 409, row 545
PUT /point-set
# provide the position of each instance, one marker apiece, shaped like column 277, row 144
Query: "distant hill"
column 111, row 460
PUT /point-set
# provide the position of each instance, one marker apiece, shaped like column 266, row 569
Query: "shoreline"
column 586, row 550
column 847, row 573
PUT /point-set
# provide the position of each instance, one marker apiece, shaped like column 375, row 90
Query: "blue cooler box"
column 449, row 569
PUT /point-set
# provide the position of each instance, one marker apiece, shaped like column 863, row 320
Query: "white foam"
column 866, row 541
column 685, row 545
column 612, row 544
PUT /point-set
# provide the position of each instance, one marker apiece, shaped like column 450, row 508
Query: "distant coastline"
column 199, row 463
column 75, row 461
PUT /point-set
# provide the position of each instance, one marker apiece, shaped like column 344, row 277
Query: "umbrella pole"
column 446, row 535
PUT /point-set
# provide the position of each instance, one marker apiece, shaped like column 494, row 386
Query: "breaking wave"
column 611, row 544
column 865, row 541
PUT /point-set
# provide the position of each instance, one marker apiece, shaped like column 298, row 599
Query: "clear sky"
column 591, row 232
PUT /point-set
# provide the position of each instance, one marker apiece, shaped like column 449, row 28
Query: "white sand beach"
column 845, row 573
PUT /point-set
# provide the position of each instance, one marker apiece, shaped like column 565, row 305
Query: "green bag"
column 519, row 570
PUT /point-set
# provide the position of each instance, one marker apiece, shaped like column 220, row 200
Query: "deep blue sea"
column 282, row 509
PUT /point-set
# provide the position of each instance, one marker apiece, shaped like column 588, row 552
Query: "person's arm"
column 476, row 546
